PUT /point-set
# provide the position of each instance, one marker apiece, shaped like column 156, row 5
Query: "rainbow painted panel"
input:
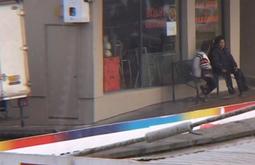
column 201, row 113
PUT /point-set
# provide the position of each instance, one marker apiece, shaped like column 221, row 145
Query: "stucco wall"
column 247, row 38
column 61, row 65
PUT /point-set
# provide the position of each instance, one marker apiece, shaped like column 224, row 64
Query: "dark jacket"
column 222, row 59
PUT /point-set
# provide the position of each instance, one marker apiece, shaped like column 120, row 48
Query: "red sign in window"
column 111, row 74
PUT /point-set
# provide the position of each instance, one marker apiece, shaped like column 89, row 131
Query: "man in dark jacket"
column 224, row 64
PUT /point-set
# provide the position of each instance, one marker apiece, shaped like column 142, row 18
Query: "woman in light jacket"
column 202, row 68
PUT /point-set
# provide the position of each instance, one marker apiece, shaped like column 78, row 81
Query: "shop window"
column 208, row 20
column 141, row 35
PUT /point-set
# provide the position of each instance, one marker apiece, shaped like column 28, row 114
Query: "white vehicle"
column 14, row 77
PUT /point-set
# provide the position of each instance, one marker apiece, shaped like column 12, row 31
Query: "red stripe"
column 237, row 106
column 37, row 140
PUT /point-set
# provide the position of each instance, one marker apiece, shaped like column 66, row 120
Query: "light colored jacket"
column 200, row 63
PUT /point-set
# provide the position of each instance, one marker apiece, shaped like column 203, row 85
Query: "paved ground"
column 234, row 152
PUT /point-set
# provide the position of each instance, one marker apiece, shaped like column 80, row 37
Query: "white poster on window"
column 171, row 28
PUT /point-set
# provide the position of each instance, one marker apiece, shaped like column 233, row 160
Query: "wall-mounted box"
column 76, row 11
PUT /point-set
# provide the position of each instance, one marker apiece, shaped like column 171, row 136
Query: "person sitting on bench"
column 224, row 64
column 202, row 68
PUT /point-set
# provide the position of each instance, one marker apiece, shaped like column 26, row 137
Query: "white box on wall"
column 76, row 11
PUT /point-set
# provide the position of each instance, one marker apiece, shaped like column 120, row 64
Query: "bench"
column 218, row 78
column 182, row 74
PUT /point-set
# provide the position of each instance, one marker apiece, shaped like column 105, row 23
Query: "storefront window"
column 139, row 42
column 208, row 20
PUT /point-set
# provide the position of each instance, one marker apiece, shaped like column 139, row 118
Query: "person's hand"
column 224, row 71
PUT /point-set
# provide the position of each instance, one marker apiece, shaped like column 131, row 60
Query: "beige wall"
column 248, row 38
column 61, row 64
column 126, row 101
column 188, row 30
column 234, row 29
column 231, row 17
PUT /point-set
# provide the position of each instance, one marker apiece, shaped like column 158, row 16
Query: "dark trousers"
column 240, row 80
column 211, row 84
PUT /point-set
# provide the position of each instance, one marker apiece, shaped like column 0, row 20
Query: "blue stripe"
column 151, row 122
column 124, row 126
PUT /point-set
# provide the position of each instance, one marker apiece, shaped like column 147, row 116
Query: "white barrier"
column 21, row 159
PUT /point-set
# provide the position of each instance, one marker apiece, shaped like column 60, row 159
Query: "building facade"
column 120, row 61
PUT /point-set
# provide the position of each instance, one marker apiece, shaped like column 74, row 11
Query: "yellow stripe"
column 201, row 113
column 4, row 146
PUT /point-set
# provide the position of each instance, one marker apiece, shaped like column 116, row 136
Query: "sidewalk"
column 181, row 106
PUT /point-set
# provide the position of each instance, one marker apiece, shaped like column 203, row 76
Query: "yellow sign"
column 14, row 79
